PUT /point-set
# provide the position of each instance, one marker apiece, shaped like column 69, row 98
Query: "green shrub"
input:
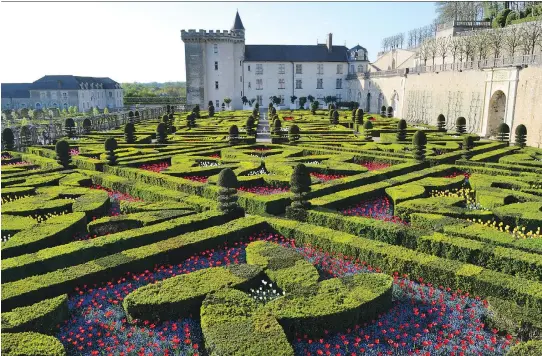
column 383, row 111
column 293, row 133
column 211, row 110
column 110, row 147
column 512, row 16
column 42, row 317
column 359, row 117
column 441, row 123
column 504, row 132
column 300, row 186
column 401, row 130
column 69, row 127
column 460, row 125
column 529, row 348
column 390, row 111
column 63, row 155
column 500, row 19
column 521, row 135
column 520, row 322
column 31, row 344
column 234, row 135
column 227, row 195
column 335, row 117
column 8, row 139
column 277, row 125
column 129, row 130
column 419, row 140
column 161, row 133
column 468, row 145
column 367, row 129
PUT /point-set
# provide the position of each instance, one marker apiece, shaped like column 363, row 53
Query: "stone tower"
column 214, row 65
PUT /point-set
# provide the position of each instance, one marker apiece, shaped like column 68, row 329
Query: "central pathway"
column 263, row 130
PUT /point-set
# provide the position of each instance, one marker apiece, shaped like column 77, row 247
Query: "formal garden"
column 181, row 233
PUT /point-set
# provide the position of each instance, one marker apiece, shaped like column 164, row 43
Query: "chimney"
column 329, row 42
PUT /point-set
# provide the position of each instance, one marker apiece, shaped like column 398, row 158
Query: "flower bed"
column 157, row 167
column 373, row 165
column 424, row 319
column 379, row 208
column 264, row 190
column 201, row 179
column 326, row 177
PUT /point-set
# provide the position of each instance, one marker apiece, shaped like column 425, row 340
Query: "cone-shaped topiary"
column 110, row 147
column 367, row 129
column 8, row 139
column 86, row 126
column 69, row 127
column 211, row 110
column 250, row 125
column 195, row 111
column 521, row 135
column 161, row 133
column 460, row 125
column 277, row 125
column 234, row 134
column 314, row 107
column 171, row 118
column 293, row 133
column 257, row 106
column 191, row 120
column 354, row 111
column 227, row 194
column 383, row 110
column 273, row 111
column 468, row 145
column 390, row 111
column 331, row 116
column 419, row 140
column 63, row 156
column 270, row 106
column 136, row 116
column 129, row 130
column 256, row 112
column 441, row 123
column 168, row 108
column 131, row 116
column 335, row 120
column 401, row 130
column 300, row 186
column 503, row 132
column 359, row 117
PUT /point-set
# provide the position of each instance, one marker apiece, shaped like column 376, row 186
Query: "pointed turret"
column 238, row 24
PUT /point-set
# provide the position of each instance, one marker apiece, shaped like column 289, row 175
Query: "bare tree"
column 401, row 39
column 530, row 35
column 455, row 47
column 469, row 48
column 512, row 39
column 432, row 48
column 410, row 39
column 496, row 39
column 481, row 44
column 442, row 45
column 423, row 52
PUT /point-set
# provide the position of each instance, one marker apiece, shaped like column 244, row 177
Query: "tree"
column 250, row 125
column 432, row 49
column 513, row 15
column 165, row 120
column 531, row 33
column 106, row 110
column 521, row 135
column 69, row 127
column 161, row 133
column 310, row 98
column 95, row 111
column 468, row 47
column 314, row 107
column 390, row 111
column 441, row 123
column 110, row 147
column 244, row 100
column 293, row 99
column 300, row 186
column 211, row 110
column 367, row 129
column 460, row 125
column 270, row 105
column 423, row 52
column 63, row 156
column 401, row 130
column 227, row 101
column 210, row 103
column 443, row 47
column 383, row 111
column 191, row 120
column 227, row 194
column 293, row 133
column 448, row 11
column 335, row 117
column 455, row 47
column 503, row 132
column 277, row 125
column 354, row 111
column 302, row 102
column 273, row 111
column 87, row 125
column 512, row 39
column 481, row 39
column 419, row 140
column 500, row 19
column 234, row 135
column 495, row 40
column 256, row 113
column 8, row 139
column 468, row 145
column 359, row 117
column 129, row 130
column 196, row 111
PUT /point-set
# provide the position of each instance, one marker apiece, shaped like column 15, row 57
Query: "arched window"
column 360, row 68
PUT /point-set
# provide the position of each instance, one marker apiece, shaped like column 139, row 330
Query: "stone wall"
column 528, row 108
column 195, row 73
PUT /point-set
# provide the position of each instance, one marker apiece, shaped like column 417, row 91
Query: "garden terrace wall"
column 33, row 289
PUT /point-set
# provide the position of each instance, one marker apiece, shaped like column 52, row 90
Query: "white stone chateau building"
column 220, row 65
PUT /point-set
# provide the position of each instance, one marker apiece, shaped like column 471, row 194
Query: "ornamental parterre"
column 342, row 239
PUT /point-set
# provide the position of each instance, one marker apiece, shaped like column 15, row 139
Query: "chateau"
column 487, row 87
column 63, row 91
column 220, row 65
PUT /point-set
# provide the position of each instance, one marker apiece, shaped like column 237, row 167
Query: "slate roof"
column 238, row 24
column 68, row 82
column 357, row 47
column 15, row 90
column 295, row 53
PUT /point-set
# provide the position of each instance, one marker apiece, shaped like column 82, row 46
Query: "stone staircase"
column 263, row 130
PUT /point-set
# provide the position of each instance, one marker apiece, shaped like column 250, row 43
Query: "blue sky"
column 141, row 41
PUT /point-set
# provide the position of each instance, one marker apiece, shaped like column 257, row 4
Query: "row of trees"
column 483, row 44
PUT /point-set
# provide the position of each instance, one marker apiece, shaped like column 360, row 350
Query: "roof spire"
column 238, row 24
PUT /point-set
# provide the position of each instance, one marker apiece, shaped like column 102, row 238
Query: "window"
column 249, row 68
column 216, row 65
column 298, row 84
column 259, row 99
column 43, row 95
column 339, row 69
column 319, row 84
column 215, row 48
column 320, row 69
column 249, row 85
column 360, row 68
column 282, row 68
column 299, row 69
column 281, row 83
column 281, row 99
column 339, row 84
column 216, row 85
column 53, row 95
column 217, row 103
column 65, row 96
column 259, row 69
column 352, row 70
column 259, row 84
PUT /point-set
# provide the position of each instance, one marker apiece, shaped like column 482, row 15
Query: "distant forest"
column 145, row 90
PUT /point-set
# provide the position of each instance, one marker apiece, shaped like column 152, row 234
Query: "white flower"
column 264, row 283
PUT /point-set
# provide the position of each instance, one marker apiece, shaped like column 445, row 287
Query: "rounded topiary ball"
column 419, row 138
column 129, row 128
column 293, row 130
column 402, row 124
column 521, row 130
column 234, row 130
column 111, row 144
column 367, row 125
column 504, row 128
column 62, row 147
column 461, row 121
column 227, row 179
